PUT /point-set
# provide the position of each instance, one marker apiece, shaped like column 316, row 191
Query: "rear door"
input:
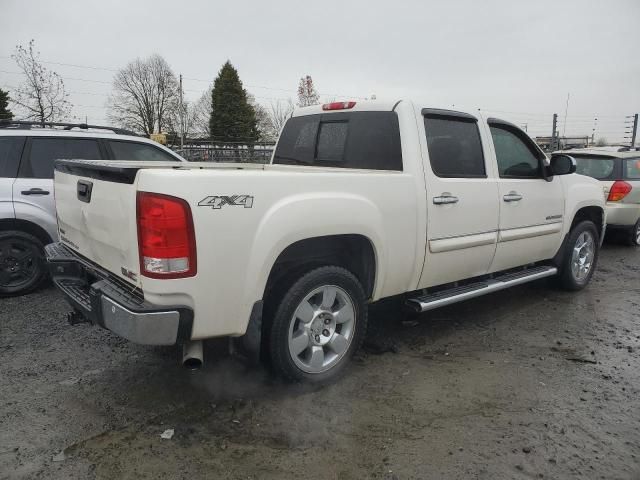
column 462, row 198
column 531, row 208
column 10, row 151
column 33, row 189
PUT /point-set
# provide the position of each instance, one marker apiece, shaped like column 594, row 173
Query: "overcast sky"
column 498, row 55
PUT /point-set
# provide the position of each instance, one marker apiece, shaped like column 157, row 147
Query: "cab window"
column 364, row 140
column 455, row 149
column 516, row 159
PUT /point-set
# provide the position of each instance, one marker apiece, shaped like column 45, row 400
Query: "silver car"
column 618, row 168
column 27, row 209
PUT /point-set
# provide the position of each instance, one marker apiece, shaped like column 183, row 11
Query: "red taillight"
column 338, row 105
column 166, row 239
column 618, row 191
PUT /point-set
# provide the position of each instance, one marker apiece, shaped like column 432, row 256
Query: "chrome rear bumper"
column 110, row 303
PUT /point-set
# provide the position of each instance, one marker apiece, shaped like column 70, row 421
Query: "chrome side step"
column 458, row 294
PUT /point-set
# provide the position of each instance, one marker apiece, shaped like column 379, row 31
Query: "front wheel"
column 581, row 256
column 318, row 325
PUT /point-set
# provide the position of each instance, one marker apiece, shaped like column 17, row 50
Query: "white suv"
column 618, row 168
column 27, row 209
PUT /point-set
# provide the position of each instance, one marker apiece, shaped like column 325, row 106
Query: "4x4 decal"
column 218, row 201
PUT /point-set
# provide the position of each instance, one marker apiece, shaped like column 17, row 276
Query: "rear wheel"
column 581, row 256
column 318, row 325
column 22, row 264
column 634, row 234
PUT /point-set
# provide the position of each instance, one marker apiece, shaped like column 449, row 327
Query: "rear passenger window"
column 632, row 168
column 139, row 151
column 515, row 158
column 44, row 151
column 10, row 151
column 365, row 140
column 455, row 149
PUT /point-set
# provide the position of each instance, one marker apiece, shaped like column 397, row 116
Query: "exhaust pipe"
column 192, row 355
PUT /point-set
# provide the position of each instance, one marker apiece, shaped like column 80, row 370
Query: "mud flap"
column 247, row 347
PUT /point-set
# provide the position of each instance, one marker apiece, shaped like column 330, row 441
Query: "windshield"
column 594, row 166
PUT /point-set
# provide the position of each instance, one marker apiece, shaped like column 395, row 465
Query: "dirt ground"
column 528, row 383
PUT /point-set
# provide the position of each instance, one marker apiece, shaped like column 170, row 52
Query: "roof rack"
column 67, row 126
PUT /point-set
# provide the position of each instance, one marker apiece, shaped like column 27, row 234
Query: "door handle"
column 35, row 191
column 444, row 200
column 512, row 197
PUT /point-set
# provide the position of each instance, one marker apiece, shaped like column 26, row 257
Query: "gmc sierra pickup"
column 361, row 201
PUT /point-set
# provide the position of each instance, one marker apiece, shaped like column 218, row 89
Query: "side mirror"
column 562, row 164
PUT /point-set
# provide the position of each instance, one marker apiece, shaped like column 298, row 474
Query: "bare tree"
column 263, row 120
column 279, row 113
column 307, row 94
column 42, row 96
column 145, row 95
column 601, row 142
column 200, row 113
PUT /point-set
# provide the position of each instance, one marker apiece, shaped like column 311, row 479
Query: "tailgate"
column 96, row 209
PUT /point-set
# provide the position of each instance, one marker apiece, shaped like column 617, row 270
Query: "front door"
column 531, row 207
column 462, row 199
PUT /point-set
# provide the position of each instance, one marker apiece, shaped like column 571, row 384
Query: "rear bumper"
column 109, row 302
column 620, row 215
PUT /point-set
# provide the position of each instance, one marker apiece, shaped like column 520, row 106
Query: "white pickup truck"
column 361, row 201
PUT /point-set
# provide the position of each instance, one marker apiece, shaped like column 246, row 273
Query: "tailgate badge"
column 129, row 274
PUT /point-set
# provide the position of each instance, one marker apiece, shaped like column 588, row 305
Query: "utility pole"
column 554, row 132
column 566, row 110
column 181, row 117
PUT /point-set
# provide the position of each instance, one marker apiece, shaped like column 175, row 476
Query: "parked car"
column 618, row 169
column 361, row 201
column 27, row 210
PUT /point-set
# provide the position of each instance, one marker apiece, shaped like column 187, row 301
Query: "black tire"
column 634, row 235
column 567, row 278
column 280, row 325
column 22, row 263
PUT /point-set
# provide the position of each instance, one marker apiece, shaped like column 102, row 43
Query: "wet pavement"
column 528, row 383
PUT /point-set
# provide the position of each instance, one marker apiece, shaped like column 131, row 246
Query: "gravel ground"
column 528, row 383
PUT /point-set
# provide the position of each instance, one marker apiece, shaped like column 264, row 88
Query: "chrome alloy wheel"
column 637, row 233
column 583, row 255
column 321, row 329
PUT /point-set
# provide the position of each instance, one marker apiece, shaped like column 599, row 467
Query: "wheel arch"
column 593, row 213
column 8, row 224
column 354, row 252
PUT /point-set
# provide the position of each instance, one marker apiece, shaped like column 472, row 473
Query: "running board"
column 477, row 289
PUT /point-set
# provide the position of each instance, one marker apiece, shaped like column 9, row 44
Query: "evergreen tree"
column 232, row 119
column 5, row 113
